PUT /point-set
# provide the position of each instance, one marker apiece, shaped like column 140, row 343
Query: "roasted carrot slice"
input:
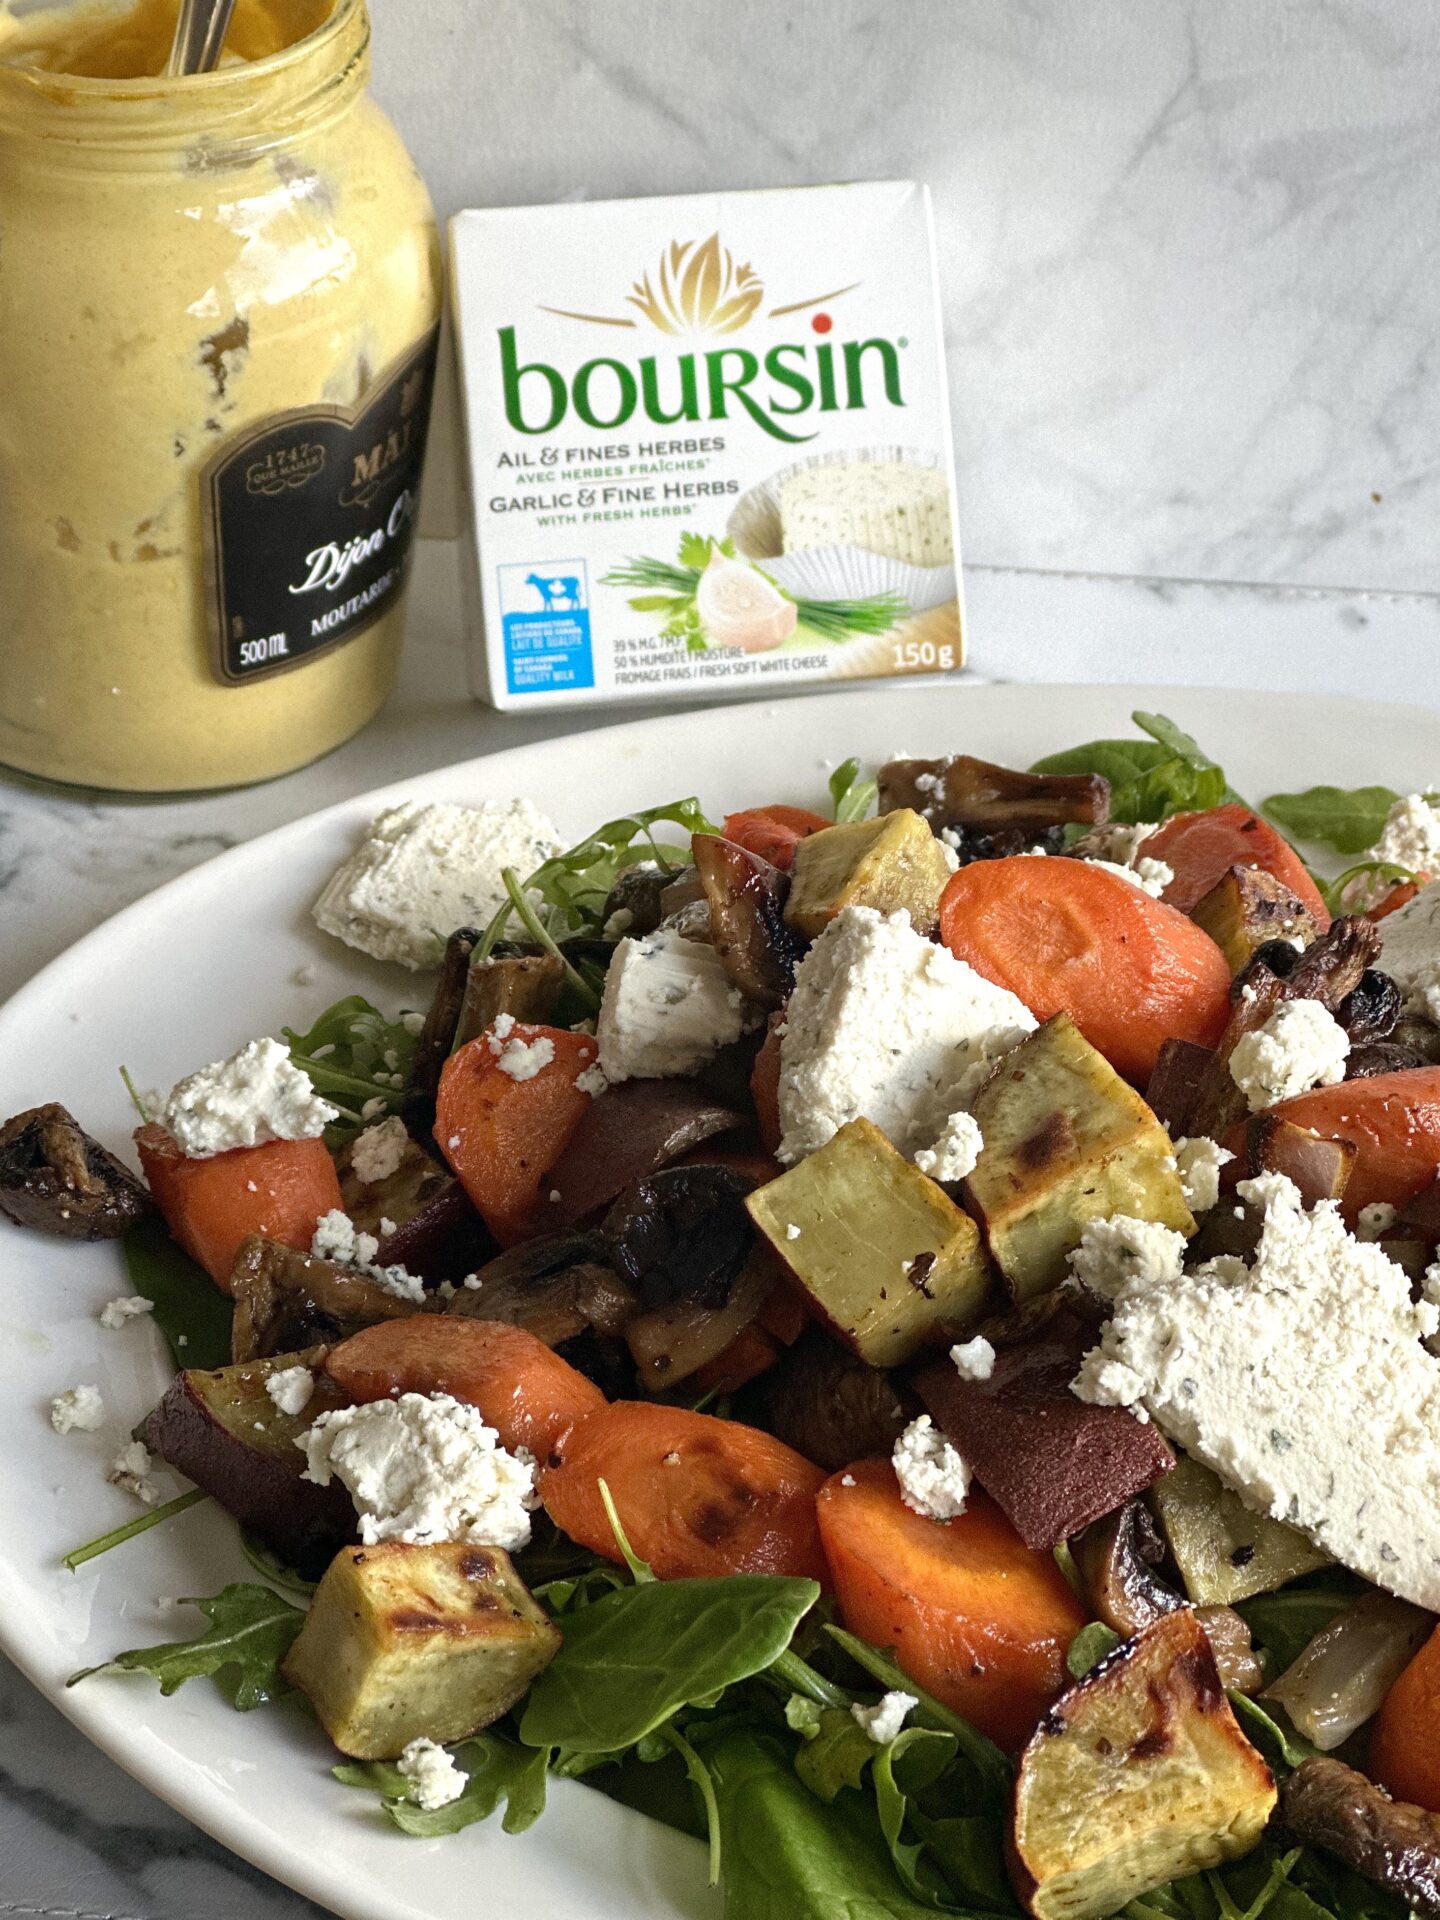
column 696, row 1496
column 973, row 1614
column 751, row 1353
column 280, row 1190
column 773, row 832
column 1396, row 898
column 765, row 1084
column 526, row 1392
column 1065, row 936
column 1393, row 1119
column 1201, row 848
column 502, row 1131
column 1405, row 1743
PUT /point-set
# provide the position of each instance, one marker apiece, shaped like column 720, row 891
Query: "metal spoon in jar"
column 199, row 35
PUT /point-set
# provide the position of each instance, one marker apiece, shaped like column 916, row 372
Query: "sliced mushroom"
column 669, row 1343
column 1328, row 1805
column 1381, row 1056
column 558, row 1288
column 56, row 1179
column 524, row 985
column 286, row 1300
column 627, row 1132
column 636, row 894
column 826, row 1403
column 682, row 1234
column 967, row 793
column 746, row 897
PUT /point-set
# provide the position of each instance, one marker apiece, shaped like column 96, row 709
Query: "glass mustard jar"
column 219, row 307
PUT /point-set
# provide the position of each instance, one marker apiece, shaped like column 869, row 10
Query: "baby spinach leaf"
column 251, row 1630
column 969, row 1851
column 1284, row 1623
column 851, row 797
column 788, row 1856
column 1182, row 745
column 914, row 1760
column 1089, row 1647
column 1347, row 819
column 634, row 1657
column 983, row 1767
column 357, row 1060
column 189, row 1308
column 835, row 1749
column 1149, row 779
column 1273, row 1734
column 498, row 1769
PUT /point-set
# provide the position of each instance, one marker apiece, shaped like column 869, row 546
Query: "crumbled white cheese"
column 338, row 1239
column 1151, row 876
column 1119, row 845
column 521, row 1059
column 304, row 975
column 1302, row 1380
column 255, row 1096
column 1302, row 1045
column 1411, row 835
column 792, row 1232
column 129, row 1471
column 424, row 1468
column 668, row 1005
column 886, row 1024
column 431, row 1775
column 378, row 1151
column 422, row 871
column 1410, row 950
column 618, row 923
column 1198, row 1163
column 934, row 1479
column 1375, row 1220
column 593, row 1082
column 974, row 1359
column 291, row 1388
column 124, row 1307
column 1122, row 1252
column 885, row 1719
column 956, row 1149
column 77, row 1410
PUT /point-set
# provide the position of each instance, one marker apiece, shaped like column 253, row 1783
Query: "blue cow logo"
column 558, row 593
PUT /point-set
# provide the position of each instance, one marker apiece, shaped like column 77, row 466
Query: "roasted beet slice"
column 56, row 1179
column 444, row 1240
column 746, row 897
column 1319, row 1167
column 1053, row 1462
column 682, row 1234
column 1175, row 1083
column 628, row 1132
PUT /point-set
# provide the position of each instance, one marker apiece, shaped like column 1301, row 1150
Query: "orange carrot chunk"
column 696, row 1496
column 1393, row 1120
column 751, row 1353
column 501, row 1132
column 971, row 1613
column 773, row 832
column 1405, row 1743
column 1065, row 936
column 280, row 1189
column 1201, row 848
column 526, row 1392
column 1396, row 898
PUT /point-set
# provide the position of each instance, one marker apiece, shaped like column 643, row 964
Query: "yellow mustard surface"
column 180, row 261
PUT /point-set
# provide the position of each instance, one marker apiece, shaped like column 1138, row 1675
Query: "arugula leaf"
column 851, row 797
column 835, row 1749
column 498, row 1769
column 636, row 1656
column 1285, row 1622
column 1349, row 820
column 987, row 1770
column 142, row 1523
column 250, row 1632
column 1089, row 1647
column 357, row 1060
column 1275, row 1737
column 914, row 1760
column 787, row 1855
column 1380, row 876
column 190, row 1309
column 1149, row 779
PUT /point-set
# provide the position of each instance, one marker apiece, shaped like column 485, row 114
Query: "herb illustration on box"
column 710, row 597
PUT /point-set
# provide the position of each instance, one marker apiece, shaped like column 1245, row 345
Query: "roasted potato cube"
column 404, row 1640
column 220, row 1428
column 1224, row 1551
column 1245, row 908
column 891, row 863
column 884, row 1254
column 1137, row 1775
column 1066, row 1142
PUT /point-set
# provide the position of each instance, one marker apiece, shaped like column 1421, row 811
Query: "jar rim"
column 148, row 86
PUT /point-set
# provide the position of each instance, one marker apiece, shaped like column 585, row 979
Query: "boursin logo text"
column 697, row 291
column 283, row 469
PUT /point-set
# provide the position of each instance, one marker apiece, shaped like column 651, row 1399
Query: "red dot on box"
column 822, row 323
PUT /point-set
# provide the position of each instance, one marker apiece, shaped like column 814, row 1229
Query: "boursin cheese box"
column 708, row 445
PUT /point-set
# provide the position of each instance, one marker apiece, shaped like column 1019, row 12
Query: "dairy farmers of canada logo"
column 285, row 469
column 698, row 290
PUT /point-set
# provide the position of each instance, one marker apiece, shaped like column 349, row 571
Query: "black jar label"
column 309, row 522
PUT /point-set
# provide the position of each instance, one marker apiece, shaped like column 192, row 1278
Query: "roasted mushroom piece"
column 626, row 1133
column 635, row 894
column 437, row 1036
column 559, row 1288
column 825, row 1402
column 746, row 897
column 989, row 803
column 55, row 1178
column 1328, row 1805
column 286, row 1300
column 524, row 985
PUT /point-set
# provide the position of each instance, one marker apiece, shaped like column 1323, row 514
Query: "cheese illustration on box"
column 708, row 445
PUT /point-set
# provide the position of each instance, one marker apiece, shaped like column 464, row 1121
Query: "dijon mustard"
column 218, row 307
